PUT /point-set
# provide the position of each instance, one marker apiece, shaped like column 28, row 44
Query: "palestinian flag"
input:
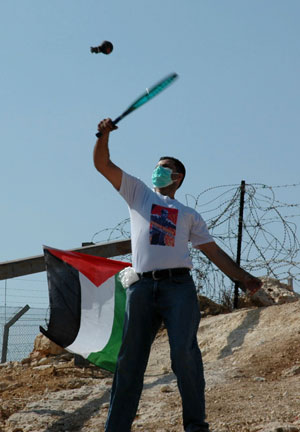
column 87, row 305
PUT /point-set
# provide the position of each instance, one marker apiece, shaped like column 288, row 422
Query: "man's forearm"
column 101, row 155
column 223, row 261
column 101, row 152
column 230, row 268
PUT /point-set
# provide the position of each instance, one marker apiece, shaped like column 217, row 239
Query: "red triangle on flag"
column 96, row 269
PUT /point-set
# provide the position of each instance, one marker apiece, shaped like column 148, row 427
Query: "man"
column 161, row 228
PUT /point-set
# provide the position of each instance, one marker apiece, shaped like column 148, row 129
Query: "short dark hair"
column 180, row 168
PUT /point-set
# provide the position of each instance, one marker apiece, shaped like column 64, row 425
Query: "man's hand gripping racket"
column 107, row 126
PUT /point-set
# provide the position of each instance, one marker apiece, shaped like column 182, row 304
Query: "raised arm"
column 102, row 160
column 230, row 268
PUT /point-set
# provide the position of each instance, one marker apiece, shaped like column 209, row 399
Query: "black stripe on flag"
column 65, row 301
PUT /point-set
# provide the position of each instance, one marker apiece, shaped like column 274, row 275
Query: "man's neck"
column 166, row 191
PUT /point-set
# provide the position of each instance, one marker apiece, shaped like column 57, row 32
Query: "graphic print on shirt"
column 163, row 225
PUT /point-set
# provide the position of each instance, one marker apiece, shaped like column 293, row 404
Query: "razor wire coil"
column 270, row 246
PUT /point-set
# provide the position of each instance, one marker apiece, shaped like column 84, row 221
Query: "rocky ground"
column 252, row 365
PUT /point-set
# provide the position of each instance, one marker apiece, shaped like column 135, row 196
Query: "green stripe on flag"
column 107, row 358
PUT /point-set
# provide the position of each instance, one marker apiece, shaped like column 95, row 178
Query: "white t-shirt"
column 161, row 227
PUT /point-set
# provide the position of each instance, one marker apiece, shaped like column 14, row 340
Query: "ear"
column 178, row 177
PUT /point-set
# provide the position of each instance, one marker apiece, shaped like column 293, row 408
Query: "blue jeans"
column 149, row 303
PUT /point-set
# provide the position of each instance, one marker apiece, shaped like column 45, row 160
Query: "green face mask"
column 161, row 177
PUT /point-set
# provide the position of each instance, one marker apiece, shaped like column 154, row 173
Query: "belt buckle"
column 153, row 275
column 159, row 278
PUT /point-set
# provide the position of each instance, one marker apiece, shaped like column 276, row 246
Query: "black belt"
column 165, row 273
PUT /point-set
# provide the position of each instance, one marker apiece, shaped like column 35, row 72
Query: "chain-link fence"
column 23, row 333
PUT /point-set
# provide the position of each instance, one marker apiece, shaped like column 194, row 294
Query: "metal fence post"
column 6, row 331
column 239, row 242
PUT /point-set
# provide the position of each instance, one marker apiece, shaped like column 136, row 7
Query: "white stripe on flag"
column 97, row 316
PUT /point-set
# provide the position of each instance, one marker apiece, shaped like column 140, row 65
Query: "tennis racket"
column 146, row 97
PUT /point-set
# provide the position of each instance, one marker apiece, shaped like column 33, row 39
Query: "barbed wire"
column 270, row 246
column 120, row 231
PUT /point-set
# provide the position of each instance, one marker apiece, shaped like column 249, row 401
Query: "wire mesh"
column 23, row 333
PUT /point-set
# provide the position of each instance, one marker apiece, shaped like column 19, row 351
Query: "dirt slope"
column 252, row 366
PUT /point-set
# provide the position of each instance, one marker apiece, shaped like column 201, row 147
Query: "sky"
column 232, row 115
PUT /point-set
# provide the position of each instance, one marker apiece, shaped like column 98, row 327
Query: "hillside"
column 252, row 365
